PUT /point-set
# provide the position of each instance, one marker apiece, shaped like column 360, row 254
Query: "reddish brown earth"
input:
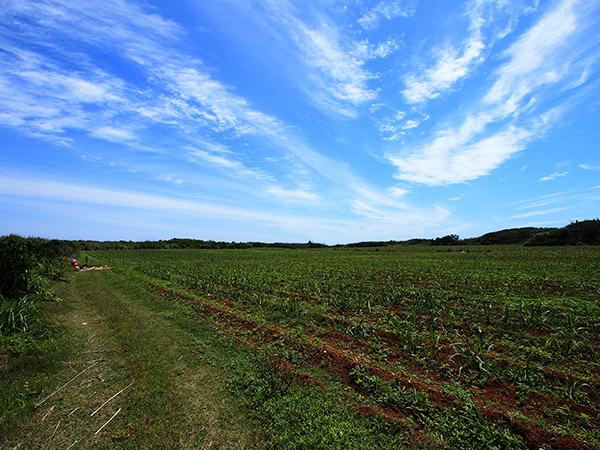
column 337, row 354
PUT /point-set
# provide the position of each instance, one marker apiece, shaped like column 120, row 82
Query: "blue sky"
column 277, row 120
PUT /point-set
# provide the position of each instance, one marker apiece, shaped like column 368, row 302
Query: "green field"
column 397, row 347
column 478, row 347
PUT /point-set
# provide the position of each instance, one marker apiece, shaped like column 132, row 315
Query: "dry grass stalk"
column 68, row 382
column 56, row 428
column 47, row 412
column 109, row 420
column 102, row 405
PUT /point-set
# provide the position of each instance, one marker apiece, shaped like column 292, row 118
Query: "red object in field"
column 74, row 263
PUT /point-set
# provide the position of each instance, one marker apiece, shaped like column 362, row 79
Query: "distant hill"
column 577, row 233
column 508, row 236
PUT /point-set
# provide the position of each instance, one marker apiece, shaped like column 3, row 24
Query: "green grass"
column 118, row 331
column 463, row 317
column 406, row 347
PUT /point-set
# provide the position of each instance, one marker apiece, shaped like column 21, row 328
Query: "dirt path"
column 135, row 377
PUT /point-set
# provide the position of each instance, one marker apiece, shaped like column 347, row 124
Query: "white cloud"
column 66, row 192
column 293, row 195
column 451, row 159
column 397, row 192
column 113, row 134
column 416, row 220
column 410, row 124
column 216, row 156
column 546, row 55
column 589, row 167
column 43, row 100
column 40, row 96
column 554, row 176
column 450, row 66
column 391, row 127
column 453, row 62
column 340, row 76
column 538, row 213
column 333, row 60
column 535, row 59
column 387, row 10
column 381, row 223
column 211, row 102
column 580, row 200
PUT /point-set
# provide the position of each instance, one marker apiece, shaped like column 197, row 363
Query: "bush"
column 26, row 265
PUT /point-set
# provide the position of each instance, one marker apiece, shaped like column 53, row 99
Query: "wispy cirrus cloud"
column 589, row 167
column 176, row 93
column 218, row 157
column 73, row 193
column 570, row 198
column 178, row 86
column 44, row 96
column 386, row 10
column 113, row 134
column 519, row 106
column 397, row 191
column 454, row 62
column 334, row 59
column 293, row 195
column 538, row 213
column 451, row 65
column 55, row 194
column 44, row 100
column 554, row 176
column 337, row 68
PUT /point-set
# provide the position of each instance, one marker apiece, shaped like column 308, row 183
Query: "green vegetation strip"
column 395, row 347
column 511, row 330
column 126, row 339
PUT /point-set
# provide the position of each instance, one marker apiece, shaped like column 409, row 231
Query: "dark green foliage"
column 451, row 239
column 176, row 243
column 22, row 316
column 586, row 232
column 25, row 264
column 506, row 237
column 16, row 264
column 299, row 417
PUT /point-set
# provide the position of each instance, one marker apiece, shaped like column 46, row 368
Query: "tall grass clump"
column 26, row 267
column 28, row 344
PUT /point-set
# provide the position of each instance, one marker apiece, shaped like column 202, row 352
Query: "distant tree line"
column 586, row 232
column 179, row 243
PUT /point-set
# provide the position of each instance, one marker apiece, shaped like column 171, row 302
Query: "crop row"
column 501, row 336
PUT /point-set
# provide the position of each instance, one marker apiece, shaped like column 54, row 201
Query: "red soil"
column 339, row 363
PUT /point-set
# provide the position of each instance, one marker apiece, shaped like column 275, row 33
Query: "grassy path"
column 125, row 344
